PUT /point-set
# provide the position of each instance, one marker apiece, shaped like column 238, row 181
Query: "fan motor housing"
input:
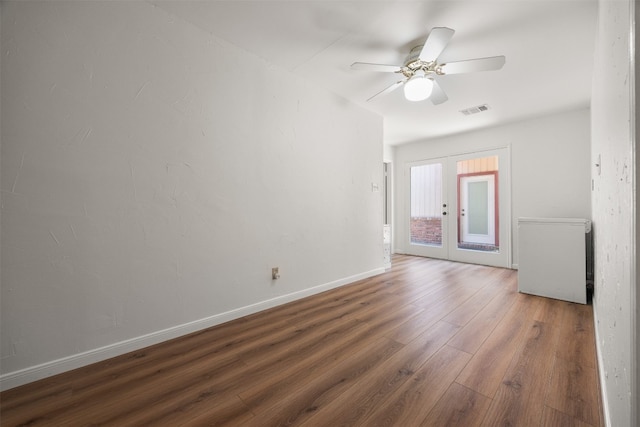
column 413, row 64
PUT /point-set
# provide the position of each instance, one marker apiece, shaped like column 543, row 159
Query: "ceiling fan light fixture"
column 418, row 88
column 421, row 68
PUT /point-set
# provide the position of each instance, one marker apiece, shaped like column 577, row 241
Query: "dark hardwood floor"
column 428, row 343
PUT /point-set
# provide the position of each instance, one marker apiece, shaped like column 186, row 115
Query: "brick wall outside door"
column 426, row 230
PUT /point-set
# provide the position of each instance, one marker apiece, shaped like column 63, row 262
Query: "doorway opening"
column 426, row 204
column 478, row 211
column 455, row 208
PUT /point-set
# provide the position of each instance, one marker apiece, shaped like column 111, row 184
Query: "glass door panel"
column 426, row 202
column 478, row 217
column 427, row 209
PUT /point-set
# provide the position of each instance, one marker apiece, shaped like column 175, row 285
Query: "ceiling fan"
column 421, row 68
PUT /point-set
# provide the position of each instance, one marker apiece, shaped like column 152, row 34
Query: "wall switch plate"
column 275, row 273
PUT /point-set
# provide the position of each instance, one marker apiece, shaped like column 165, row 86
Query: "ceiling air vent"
column 475, row 110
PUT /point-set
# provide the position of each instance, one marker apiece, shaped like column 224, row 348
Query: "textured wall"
column 613, row 208
column 152, row 175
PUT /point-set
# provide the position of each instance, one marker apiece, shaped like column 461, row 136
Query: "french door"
column 458, row 208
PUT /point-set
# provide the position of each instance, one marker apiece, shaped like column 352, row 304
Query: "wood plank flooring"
column 428, row 343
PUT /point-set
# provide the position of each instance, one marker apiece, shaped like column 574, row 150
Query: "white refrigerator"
column 552, row 257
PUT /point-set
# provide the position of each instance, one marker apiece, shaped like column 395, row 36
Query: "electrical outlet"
column 275, row 273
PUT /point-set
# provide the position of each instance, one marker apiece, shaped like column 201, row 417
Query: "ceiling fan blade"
column 391, row 88
column 472, row 65
column 437, row 95
column 384, row 68
column 435, row 43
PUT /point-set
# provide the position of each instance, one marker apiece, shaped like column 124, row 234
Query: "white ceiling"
column 548, row 47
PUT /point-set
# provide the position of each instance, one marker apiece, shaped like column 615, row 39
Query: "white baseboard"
column 603, row 389
column 44, row 370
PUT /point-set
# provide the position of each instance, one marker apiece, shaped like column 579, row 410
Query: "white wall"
column 614, row 211
column 550, row 171
column 151, row 177
column 634, row 117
